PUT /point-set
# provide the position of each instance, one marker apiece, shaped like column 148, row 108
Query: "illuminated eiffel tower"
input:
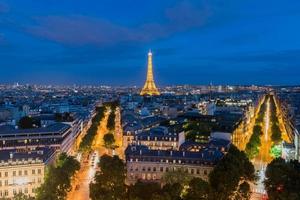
column 149, row 87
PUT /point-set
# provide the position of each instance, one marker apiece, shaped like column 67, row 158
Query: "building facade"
column 23, row 171
column 150, row 165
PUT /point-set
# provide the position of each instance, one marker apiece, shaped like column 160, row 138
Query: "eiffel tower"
column 149, row 87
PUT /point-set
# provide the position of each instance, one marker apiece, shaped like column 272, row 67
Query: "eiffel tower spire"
column 150, row 87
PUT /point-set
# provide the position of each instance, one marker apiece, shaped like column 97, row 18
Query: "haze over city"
column 193, row 41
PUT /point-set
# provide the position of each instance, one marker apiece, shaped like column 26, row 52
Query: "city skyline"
column 194, row 42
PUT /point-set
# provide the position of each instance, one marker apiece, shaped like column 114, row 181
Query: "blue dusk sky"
column 193, row 41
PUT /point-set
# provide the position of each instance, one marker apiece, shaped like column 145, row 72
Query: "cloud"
column 82, row 30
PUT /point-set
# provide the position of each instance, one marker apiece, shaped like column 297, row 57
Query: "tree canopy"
column 109, row 140
column 231, row 176
column 282, row 180
column 28, row 122
column 58, row 179
column 109, row 182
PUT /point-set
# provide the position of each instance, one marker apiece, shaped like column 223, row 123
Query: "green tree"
column 21, row 196
column 226, row 178
column 87, row 140
column 177, row 176
column 28, row 122
column 111, row 121
column 282, row 180
column 197, row 189
column 144, row 191
column 109, row 140
column 58, row 179
column 173, row 191
column 109, row 182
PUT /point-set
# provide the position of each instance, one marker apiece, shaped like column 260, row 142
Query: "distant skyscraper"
column 149, row 87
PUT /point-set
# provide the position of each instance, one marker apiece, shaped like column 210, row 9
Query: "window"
column 0, row 183
column 25, row 173
column 192, row 171
column 149, row 169
column 5, row 192
column 6, row 182
column 154, row 169
column 14, row 173
column 20, row 173
column 39, row 180
column 154, row 176
column 26, row 190
column 198, row 171
column 205, row 172
column 33, row 171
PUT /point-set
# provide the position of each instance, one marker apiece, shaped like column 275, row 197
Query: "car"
column 77, row 187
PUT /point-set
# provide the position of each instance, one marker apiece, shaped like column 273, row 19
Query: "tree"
column 28, row 122
column 226, row 178
column 58, row 179
column 109, row 140
column 144, row 191
column 197, row 189
column 111, row 121
column 282, row 180
column 173, row 191
column 178, row 176
column 109, row 182
column 87, row 140
column 21, row 196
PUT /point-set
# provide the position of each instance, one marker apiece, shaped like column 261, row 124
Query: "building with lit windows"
column 23, row 171
column 161, row 138
column 150, row 165
column 58, row 135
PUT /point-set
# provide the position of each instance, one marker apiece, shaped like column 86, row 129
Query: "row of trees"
column 112, row 116
column 111, row 120
column 87, row 140
column 109, row 138
column 282, row 180
column 254, row 143
column 229, row 180
column 276, row 132
column 58, row 179
column 252, row 147
column 276, row 138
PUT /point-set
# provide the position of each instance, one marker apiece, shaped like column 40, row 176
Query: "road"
column 80, row 189
column 264, row 157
